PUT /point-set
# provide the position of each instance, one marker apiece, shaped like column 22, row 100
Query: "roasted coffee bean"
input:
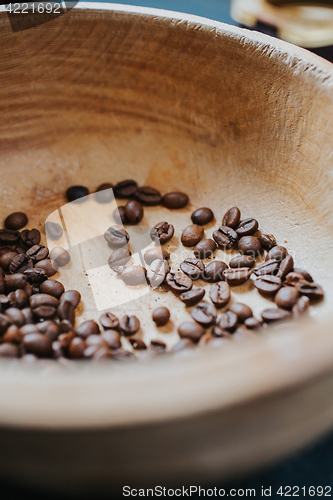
column 231, row 218
column 19, row 299
column 305, row 274
column 104, row 193
column 267, row 267
column 13, row 335
column 109, row 321
column 252, row 323
column 241, row 310
column 76, row 193
column 65, row 339
column 192, row 297
column 192, row 235
column 218, row 333
column 119, row 257
column 38, row 253
column 129, row 325
column 183, row 344
column 34, row 289
column 5, row 323
column 220, row 294
column 156, row 253
column 9, row 237
column 157, row 272
column 72, row 296
column 66, row 311
column 116, row 236
column 16, row 221
column 90, row 351
column 175, row 200
column 120, row 216
column 134, row 275
column 15, row 316
column 125, row 189
column 8, row 350
column 134, row 211
column 205, row 249
column 157, row 345
column 225, row 237
column 43, row 306
column 49, row 266
column 61, row 256
column 311, row 290
column 112, row 338
column 30, row 237
column 5, row 302
column 66, row 326
column 270, row 315
column 29, row 317
column 89, row 327
column 214, row 271
column 250, row 245
column 286, row 297
column 247, row 227
column 179, row 282
column 204, row 313
column 4, row 250
column 228, row 321
column 294, row 278
column 96, row 340
column 77, row 346
column 2, row 285
column 19, row 250
column 194, row 268
column 237, row 276
column 14, row 282
column 49, row 328
column 35, row 276
column 53, row 230
column 268, row 284
column 137, row 344
column 202, row 216
column 2, row 273
column 6, row 259
column 301, row 306
column 148, row 196
column 277, row 253
column 192, row 331
column 38, row 344
column 161, row 316
column 52, row 287
column 286, row 267
column 242, row 261
column 267, row 241
column 20, row 263
column 162, row 232
column 30, row 328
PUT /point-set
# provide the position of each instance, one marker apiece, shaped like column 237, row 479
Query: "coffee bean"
column 311, row 290
column 301, row 306
column 137, row 344
column 89, row 327
column 179, row 282
column 286, row 297
column 129, row 325
column 156, row 253
column 268, row 284
column 183, row 344
column 192, row 331
column 148, row 196
column 120, row 216
column 286, row 267
column 96, row 340
column 34, row 289
column 15, row 316
column 220, row 294
column 14, row 282
column 162, row 232
column 65, row 325
column 5, row 302
column 4, row 250
column 116, row 236
column 109, row 321
column 204, row 313
column 72, row 296
column 267, row 241
column 192, row 235
column 29, row 318
column 241, row 310
column 161, row 316
column 247, row 227
column 28, row 289
column 9, row 237
column 125, row 189
column 6, row 259
column 157, row 272
column 30, row 237
column 270, row 315
column 225, row 237
column 237, row 276
column 267, row 267
column 122, row 355
column 38, row 344
column 250, row 245
column 49, row 328
column 52, row 287
column 77, row 346
column 43, row 306
column 35, row 276
column 294, row 278
column 204, row 249
column 228, row 321
column 53, row 230
column 202, row 216
column 175, row 200
column 104, row 193
column 19, row 250
column 20, row 263
column 50, row 267
column 60, row 256
column 305, row 274
column 192, row 297
column 231, row 218
column 76, row 193
column 112, row 338
column 134, row 275
column 13, row 335
column 19, row 299
column 194, row 268
column 66, row 311
column 5, row 323
column 38, row 253
column 277, row 253
column 16, row 221
column 214, row 271
column 119, row 257
column 252, row 323
column 8, row 350
column 242, row 261
column 157, row 345
column 134, row 211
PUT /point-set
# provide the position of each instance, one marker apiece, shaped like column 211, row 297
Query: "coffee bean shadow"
column 168, row 328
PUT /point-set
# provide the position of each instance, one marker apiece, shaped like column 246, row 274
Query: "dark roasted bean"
column 89, row 327
column 120, row 216
column 116, row 236
column 19, row 250
column 137, row 344
column 112, row 338
column 219, row 333
column 53, row 230
column 28, row 328
column 175, row 200
column 250, row 245
column 301, row 306
column 75, row 193
column 96, row 340
column 286, row 267
column 270, row 315
column 242, row 261
column 37, row 253
column 220, row 294
column 134, row 275
column 194, row 268
column 61, row 256
column 183, row 344
column 109, row 321
column 179, row 282
column 157, row 345
column 38, row 344
column 72, row 296
column 49, row 328
column 134, row 211
column 19, row 299
column 268, row 284
column 277, row 253
column 157, row 272
column 4, row 250
column 8, row 350
column 104, row 193
column 35, row 276
column 9, row 237
column 192, row 331
column 5, row 302
column 77, row 346
column 65, row 326
column 202, row 216
column 50, row 267
column 266, row 267
column 225, row 237
column 30, row 237
column 267, row 241
column 252, row 323
column 214, row 271
column 52, row 287
column 231, row 218
column 311, row 290
column 6, row 259
column 42, row 299
column 293, row 278
column 16, row 221
column 204, row 313
column 119, row 257
column 205, row 249
column 27, row 313
column 34, row 289
column 192, row 235
column 129, row 325
column 305, row 274
column 5, row 323
column 247, row 227
column 20, row 263
column 228, row 321
column 241, row 310
column 125, row 189
column 65, row 339
column 286, row 297
column 148, row 196
column 14, row 281
column 66, row 311
column 15, row 316
column 13, row 335
column 237, row 276
column 161, row 316
column 162, row 232
column 156, row 253
column 192, row 297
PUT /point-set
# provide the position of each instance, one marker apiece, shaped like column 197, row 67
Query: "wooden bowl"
column 232, row 117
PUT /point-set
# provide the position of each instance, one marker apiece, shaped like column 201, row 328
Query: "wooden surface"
column 232, row 117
